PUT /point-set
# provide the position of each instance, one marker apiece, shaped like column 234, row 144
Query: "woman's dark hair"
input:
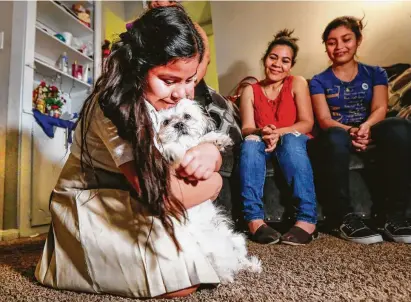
column 158, row 37
column 352, row 23
column 283, row 37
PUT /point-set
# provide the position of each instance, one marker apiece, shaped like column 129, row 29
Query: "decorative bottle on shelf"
column 89, row 78
column 63, row 63
column 80, row 72
column 85, row 73
column 74, row 69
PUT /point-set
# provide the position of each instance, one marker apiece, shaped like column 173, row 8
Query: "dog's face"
column 184, row 121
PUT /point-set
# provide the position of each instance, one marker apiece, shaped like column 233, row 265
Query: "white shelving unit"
column 55, row 18
column 49, row 12
column 40, row 65
column 35, row 59
column 45, row 38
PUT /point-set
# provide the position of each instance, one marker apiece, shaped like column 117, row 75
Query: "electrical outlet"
column 1, row 40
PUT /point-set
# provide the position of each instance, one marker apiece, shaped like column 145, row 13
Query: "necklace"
column 352, row 78
column 278, row 89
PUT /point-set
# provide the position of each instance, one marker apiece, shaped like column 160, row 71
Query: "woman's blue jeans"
column 292, row 157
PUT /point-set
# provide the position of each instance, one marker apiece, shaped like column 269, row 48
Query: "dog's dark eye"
column 166, row 122
column 187, row 116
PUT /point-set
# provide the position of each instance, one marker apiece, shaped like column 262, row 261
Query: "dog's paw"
column 224, row 142
column 220, row 140
column 255, row 265
column 173, row 153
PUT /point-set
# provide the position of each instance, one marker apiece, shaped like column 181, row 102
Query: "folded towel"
column 47, row 123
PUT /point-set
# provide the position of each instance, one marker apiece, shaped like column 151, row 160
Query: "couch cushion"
column 356, row 163
column 399, row 94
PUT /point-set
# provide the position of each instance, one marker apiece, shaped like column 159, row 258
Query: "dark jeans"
column 391, row 155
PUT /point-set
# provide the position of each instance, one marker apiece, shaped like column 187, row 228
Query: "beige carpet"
column 329, row 269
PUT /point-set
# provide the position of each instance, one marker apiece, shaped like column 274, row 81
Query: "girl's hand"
column 364, row 131
column 360, row 137
column 271, row 142
column 270, row 137
column 200, row 162
column 359, row 145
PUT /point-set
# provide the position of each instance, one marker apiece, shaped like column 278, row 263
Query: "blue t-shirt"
column 349, row 102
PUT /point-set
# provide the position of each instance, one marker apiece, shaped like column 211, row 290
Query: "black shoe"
column 398, row 229
column 266, row 235
column 297, row 236
column 355, row 230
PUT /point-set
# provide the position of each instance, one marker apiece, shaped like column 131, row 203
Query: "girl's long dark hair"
column 158, row 37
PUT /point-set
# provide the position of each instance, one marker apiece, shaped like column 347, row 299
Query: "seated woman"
column 350, row 103
column 276, row 116
column 118, row 209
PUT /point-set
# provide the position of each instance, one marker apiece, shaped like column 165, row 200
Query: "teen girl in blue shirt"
column 350, row 104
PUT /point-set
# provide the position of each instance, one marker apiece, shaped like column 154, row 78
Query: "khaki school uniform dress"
column 101, row 240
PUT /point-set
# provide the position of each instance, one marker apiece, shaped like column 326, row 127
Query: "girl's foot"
column 300, row 234
column 306, row 226
column 262, row 233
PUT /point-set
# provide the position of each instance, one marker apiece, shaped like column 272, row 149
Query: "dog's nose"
column 179, row 125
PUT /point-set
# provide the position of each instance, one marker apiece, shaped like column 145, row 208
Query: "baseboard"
column 34, row 231
column 9, row 234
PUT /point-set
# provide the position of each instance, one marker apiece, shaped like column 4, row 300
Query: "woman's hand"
column 270, row 137
column 364, row 131
column 200, row 162
column 360, row 137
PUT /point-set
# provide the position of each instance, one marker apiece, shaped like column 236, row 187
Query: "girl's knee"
column 397, row 126
column 251, row 144
column 253, row 138
column 394, row 122
column 393, row 130
column 337, row 136
column 292, row 142
column 292, row 151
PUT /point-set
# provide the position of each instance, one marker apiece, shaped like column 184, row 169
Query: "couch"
column 279, row 206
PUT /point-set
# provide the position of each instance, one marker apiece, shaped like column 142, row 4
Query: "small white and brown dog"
column 182, row 127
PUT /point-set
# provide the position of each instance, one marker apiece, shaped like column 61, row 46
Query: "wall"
column 243, row 29
column 211, row 76
column 8, row 210
column 115, row 16
column 133, row 9
column 113, row 19
column 200, row 12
